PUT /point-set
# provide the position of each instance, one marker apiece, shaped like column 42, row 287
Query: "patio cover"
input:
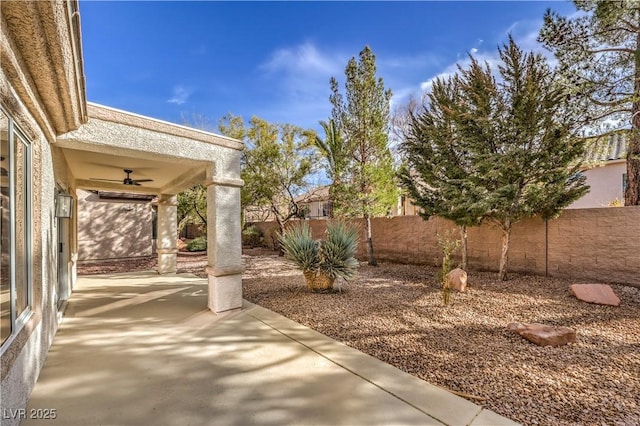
column 175, row 158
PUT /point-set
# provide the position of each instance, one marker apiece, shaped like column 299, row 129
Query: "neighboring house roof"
column 320, row 193
column 608, row 148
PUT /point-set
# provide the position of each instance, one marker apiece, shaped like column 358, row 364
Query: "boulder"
column 601, row 294
column 457, row 279
column 544, row 335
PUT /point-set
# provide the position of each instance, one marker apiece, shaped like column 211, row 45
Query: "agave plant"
column 322, row 262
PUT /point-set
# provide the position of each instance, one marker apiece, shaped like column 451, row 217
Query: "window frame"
column 16, row 135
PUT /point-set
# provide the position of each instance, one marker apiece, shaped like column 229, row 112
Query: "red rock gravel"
column 395, row 313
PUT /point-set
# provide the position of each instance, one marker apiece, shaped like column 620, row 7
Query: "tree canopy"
column 276, row 163
column 436, row 172
column 367, row 187
column 495, row 149
column 599, row 57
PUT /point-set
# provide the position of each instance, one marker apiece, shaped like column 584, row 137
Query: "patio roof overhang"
column 174, row 157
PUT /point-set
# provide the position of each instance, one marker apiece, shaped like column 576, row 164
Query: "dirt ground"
column 395, row 313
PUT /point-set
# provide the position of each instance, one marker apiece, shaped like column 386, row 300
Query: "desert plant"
column 448, row 243
column 197, row 244
column 616, row 203
column 322, row 262
column 252, row 236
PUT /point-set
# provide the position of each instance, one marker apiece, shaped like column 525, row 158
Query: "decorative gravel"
column 395, row 313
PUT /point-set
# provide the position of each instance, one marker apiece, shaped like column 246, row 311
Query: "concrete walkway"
column 142, row 349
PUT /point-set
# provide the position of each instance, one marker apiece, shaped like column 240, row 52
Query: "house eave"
column 113, row 115
column 47, row 75
column 603, row 164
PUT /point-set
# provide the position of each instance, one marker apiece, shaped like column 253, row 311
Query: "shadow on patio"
column 143, row 349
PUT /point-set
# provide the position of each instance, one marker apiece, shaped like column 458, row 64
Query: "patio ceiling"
column 92, row 170
column 174, row 157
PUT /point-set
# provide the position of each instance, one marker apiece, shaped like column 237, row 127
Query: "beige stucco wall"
column 600, row 245
column 113, row 229
column 605, row 184
column 40, row 91
column 24, row 356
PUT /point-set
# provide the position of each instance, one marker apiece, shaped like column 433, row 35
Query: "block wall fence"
column 586, row 245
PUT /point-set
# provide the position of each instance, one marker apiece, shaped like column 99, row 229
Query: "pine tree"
column 498, row 151
column 436, row 172
column 599, row 56
column 368, row 188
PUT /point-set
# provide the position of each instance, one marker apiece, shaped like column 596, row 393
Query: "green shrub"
column 333, row 257
column 338, row 251
column 300, row 248
column 252, row 236
column 449, row 244
column 197, row 244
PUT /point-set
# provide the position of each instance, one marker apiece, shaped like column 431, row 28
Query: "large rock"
column 544, row 335
column 601, row 294
column 457, row 279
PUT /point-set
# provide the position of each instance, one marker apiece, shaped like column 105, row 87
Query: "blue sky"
column 171, row 60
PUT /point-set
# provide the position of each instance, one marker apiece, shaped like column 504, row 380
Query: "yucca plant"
column 322, row 262
column 300, row 248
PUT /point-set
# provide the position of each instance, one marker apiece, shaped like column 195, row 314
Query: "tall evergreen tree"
column 437, row 169
column 599, row 56
column 368, row 187
column 497, row 151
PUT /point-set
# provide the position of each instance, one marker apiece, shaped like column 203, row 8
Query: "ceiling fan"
column 127, row 180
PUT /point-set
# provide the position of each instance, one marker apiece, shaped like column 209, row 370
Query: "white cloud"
column 180, row 95
column 297, row 80
column 302, row 58
column 525, row 33
column 420, row 60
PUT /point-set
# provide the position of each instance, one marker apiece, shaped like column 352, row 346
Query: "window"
column 624, row 183
column 15, row 229
column 327, row 209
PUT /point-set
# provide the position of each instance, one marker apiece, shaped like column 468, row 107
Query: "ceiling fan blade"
column 107, row 180
column 143, row 180
column 136, row 183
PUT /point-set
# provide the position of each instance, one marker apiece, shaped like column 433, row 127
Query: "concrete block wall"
column 599, row 245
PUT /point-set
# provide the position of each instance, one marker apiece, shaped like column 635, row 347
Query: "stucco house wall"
column 113, row 228
column 25, row 351
column 605, row 185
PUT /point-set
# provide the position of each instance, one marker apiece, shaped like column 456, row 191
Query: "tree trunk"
column 463, row 239
column 506, row 233
column 369, row 240
column 281, row 225
column 632, row 193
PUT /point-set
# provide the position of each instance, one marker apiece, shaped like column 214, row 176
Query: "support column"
column 224, row 244
column 167, row 233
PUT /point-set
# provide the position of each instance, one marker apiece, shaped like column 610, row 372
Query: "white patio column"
column 167, row 233
column 224, row 244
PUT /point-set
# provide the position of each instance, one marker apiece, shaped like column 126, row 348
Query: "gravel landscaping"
column 395, row 313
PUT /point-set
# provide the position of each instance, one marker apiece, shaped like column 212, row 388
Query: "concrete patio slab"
column 139, row 349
